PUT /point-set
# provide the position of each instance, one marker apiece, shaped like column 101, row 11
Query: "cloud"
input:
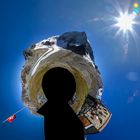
column 90, row 20
column 95, row 19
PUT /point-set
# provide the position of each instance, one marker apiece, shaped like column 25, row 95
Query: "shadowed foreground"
column 60, row 121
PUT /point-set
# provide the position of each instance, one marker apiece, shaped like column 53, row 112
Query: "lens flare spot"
column 136, row 5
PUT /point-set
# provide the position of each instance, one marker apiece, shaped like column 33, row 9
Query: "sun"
column 125, row 22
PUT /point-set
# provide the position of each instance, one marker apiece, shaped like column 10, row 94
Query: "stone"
column 71, row 51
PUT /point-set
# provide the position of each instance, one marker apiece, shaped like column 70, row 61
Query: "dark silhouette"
column 60, row 121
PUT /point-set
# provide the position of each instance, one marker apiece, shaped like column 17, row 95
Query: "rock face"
column 76, row 42
column 71, row 51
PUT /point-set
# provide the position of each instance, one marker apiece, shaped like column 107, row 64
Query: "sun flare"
column 125, row 22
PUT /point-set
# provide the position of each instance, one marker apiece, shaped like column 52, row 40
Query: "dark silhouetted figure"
column 60, row 121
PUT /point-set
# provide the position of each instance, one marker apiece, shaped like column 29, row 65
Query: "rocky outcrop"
column 70, row 50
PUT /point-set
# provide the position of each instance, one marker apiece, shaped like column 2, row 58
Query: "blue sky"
column 25, row 22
